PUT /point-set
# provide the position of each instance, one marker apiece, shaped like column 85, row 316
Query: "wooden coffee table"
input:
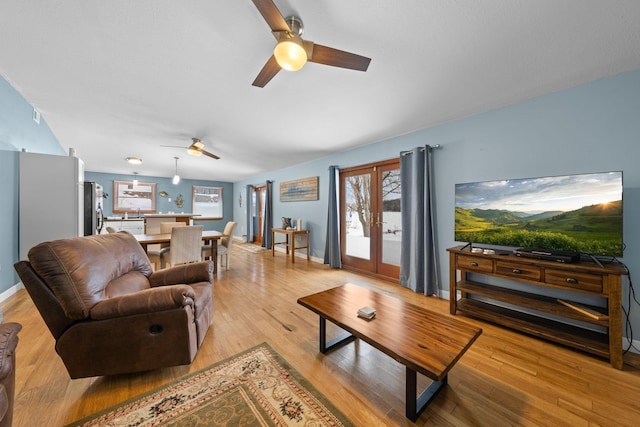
column 425, row 342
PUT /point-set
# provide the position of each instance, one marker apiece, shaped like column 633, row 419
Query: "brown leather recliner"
column 109, row 313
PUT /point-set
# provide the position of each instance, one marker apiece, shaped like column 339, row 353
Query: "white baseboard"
column 9, row 292
column 12, row 290
column 636, row 345
column 283, row 250
column 300, row 254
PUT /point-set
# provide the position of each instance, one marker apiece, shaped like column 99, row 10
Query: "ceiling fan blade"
column 213, row 156
column 174, row 146
column 269, row 70
column 338, row 58
column 272, row 15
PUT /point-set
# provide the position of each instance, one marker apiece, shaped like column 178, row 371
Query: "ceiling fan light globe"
column 194, row 151
column 290, row 55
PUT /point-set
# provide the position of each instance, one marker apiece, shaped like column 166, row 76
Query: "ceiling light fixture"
column 135, row 178
column 290, row 52
column 134, row 160
column 176, row 177
column 194, row 151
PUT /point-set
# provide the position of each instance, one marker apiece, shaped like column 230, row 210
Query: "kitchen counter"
column 171, row 215
column 121, row 218
column 132, row 225
column 152, row 221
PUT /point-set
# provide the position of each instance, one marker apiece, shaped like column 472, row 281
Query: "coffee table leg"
column 415, row 406
column 327, row 346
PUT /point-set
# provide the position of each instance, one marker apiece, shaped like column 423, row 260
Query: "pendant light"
column 135, row 178
column 176, row 177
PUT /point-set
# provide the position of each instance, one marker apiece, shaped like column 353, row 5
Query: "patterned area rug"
column 250, row 247
column 255, row 388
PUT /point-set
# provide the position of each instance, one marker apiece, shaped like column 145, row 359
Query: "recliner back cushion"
column 79, row 270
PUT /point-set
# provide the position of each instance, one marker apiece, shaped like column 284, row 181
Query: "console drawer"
column 573, row 280
column 525, row 271
column 471, row 263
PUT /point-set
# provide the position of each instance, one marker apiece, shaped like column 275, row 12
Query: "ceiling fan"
column 195, row 149
column 292, row 52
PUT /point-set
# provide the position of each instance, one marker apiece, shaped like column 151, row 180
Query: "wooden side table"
column 290, row 241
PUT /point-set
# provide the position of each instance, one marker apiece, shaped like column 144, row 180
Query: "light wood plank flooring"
column 505, row 379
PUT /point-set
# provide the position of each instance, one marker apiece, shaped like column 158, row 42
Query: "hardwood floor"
column 505, row 379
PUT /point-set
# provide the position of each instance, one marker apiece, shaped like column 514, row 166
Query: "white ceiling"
column 122, row 77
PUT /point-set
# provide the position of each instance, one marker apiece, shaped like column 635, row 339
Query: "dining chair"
column 185, row 246
column 224, row 246
column 155, row 253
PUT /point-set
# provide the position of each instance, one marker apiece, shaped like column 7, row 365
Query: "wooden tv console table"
column 532, row 310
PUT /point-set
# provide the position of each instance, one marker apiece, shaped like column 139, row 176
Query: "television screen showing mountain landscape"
column 581, row 213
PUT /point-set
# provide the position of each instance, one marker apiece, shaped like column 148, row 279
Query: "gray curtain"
column 267, row 217
column 250, row 206
column 419, row 252
column 332, row 254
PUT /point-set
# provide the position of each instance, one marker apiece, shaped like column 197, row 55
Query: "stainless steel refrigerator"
column 93, row 214
column 51, row 199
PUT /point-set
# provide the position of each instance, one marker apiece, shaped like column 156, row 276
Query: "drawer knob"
column 474, row 264
column 571, row 280
column 517, row 271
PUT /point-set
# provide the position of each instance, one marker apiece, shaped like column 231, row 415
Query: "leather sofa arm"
column 185, row 273
column 145, row 301
column 8, row 342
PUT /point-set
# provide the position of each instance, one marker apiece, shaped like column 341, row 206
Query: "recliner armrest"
column 185, row 273
column 145, row 301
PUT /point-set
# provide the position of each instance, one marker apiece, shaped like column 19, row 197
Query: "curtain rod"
column 403, row 153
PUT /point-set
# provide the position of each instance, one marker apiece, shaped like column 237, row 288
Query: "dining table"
column 208, row 236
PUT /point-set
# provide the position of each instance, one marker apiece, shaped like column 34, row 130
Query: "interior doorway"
column 258, row 197
column 370, row 225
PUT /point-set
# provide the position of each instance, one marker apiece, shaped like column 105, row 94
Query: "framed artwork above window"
column 134, row 198
column 207, row 202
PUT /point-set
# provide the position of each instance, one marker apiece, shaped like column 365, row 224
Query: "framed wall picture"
column 207, row 202
column 134, row 198
column 299, row 190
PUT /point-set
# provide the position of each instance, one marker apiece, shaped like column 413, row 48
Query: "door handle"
column 378, row 219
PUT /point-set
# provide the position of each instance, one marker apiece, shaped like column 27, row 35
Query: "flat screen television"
column 578, row 213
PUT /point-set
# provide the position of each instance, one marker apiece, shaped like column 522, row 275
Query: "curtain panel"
column 332, row 255
column 418, row 253
column 267, row 217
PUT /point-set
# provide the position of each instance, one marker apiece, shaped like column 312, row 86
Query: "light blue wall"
column 17, row 131
column 590, row 128
column 163, row 205
column 593, row 127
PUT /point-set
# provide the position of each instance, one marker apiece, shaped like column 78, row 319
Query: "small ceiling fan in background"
column 292, row 52
column 195, row 149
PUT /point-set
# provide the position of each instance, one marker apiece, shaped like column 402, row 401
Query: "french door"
column 258, row 197
column 370, row 225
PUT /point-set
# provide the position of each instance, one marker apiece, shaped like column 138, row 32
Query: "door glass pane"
column 254, row 213
column 391, row 222
column 358, row 215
